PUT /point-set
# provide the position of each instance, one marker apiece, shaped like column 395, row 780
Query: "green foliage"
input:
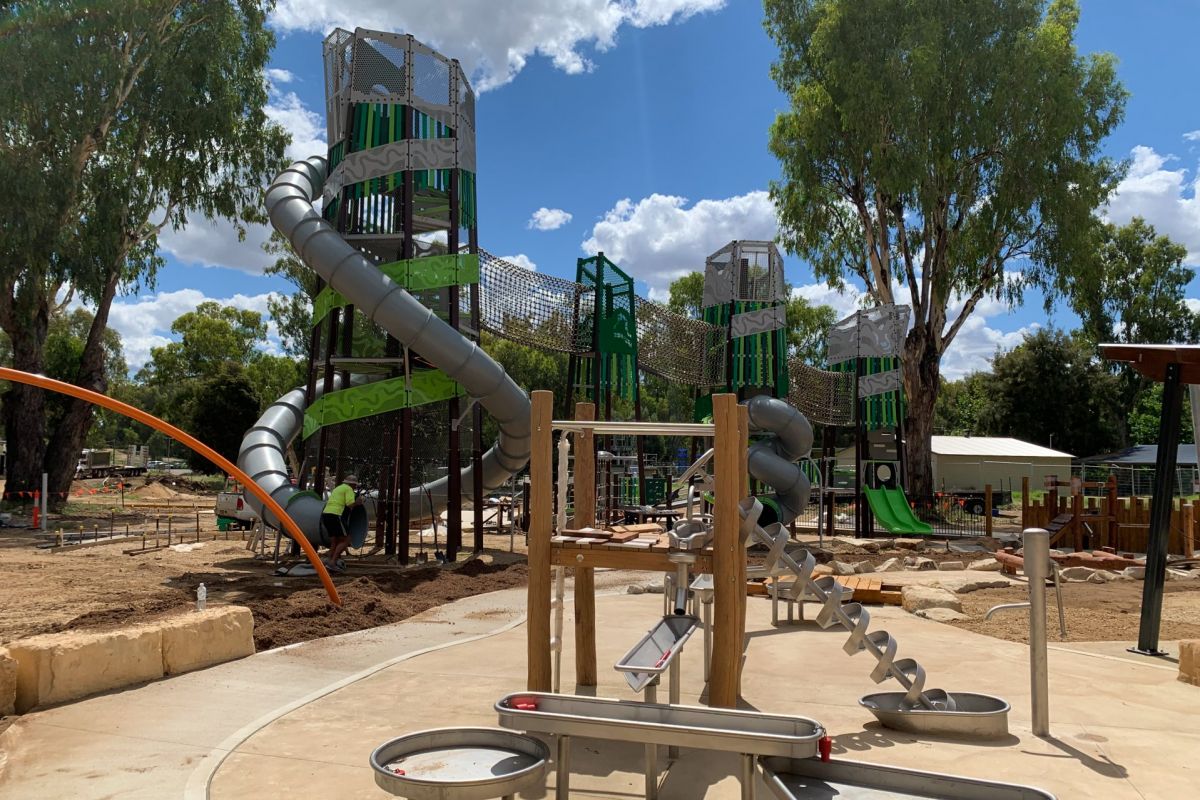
column 1146, row 416
column 118, row 118
column 273, row 376
column 686, row 295
column 1134, row 288
column 1052, row 383
column 930, row 142
column 223, row 407
column 962, row 403
column 210, row 337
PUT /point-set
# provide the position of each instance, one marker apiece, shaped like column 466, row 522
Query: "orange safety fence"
column 289, row 525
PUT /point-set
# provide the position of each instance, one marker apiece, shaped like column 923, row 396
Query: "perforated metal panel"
column 431, row 78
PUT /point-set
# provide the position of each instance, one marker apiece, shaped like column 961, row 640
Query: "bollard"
column 58, row 537
column 1037, row 561
column 168, row 530
column 112, row 522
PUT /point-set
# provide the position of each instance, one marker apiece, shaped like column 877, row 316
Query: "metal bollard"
column 1037, row 560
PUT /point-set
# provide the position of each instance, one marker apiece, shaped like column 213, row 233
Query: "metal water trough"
column 979, row 716
column 813, row 779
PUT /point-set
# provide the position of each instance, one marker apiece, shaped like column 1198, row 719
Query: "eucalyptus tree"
column 118, row 119
column 944, row 153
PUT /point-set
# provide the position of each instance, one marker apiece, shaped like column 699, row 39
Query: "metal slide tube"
column 289, row 204
column 773, row 461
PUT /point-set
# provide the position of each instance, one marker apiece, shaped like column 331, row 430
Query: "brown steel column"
column 327, row 389
column 585, row 577
column 477, row 412
column 454, row 406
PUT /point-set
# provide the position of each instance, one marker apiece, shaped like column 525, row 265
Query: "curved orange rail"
column 42, row 382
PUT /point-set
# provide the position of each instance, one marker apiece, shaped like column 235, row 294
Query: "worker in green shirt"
column 335, row 516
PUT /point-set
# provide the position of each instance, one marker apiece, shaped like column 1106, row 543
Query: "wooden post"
column 723, row 688
column 1189, row 523
column 743, row 437
column 585, row 577
column 541, row 490
column 1025, row 521
column 1077, row 517
column 987, row 509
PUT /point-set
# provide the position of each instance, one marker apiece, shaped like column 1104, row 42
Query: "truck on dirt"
column 111, row 462
column 232, row 510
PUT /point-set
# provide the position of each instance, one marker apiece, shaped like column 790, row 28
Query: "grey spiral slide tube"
column 289, row 203
column 773, row 460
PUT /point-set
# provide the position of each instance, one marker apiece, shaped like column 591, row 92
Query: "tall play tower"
column 400, row 120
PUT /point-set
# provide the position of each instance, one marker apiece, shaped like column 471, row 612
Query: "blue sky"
column 640, row 128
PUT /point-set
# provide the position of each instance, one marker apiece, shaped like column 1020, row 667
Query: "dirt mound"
column 373, row 600
column 135, row 612
column 155, row 491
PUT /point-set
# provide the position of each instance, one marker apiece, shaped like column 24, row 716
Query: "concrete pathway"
column 301, row 722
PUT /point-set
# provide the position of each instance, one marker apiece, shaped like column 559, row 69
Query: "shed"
column 1134, row 468
column 968, row 463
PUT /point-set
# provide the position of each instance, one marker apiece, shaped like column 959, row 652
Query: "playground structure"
column 397, row 312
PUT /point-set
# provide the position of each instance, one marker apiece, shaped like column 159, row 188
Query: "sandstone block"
column 891, row 565
column 919, row 563
column 635, row 588
column 870, row 545
column 919, row 598
column 985, row 565
column 1180, row 574
column 941, row 614
column 967, row 585
column 951, row 565
column 863, row 566
column 1138, row 573
column 57, row 667
column 201, row 639
column 1189, row 661
column 8, row 683
column 1077, row 574
column 842, row 568
column 909, row 544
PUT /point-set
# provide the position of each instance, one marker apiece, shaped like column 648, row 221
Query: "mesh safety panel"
column 824, row 397
column 379, row 68
column 431, row 78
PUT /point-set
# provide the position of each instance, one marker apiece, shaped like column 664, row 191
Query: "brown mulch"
column 373, row 600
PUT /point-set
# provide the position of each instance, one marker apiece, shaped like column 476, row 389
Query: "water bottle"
column 201, row 597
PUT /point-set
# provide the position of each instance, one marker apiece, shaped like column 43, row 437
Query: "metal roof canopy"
column 1172, row 365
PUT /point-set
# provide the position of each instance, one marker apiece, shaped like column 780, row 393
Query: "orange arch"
column 42, row 382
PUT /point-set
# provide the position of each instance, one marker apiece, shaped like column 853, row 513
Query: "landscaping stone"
column 985, row 565
column 870, row 545
column 1077, row 574
column 1138, row 573
column 1179, row 574
column 951, row 565
column 919, row 563
column 908, row 544
column 841, row 567
column 8, row 683
column 891, row 565
column 968, row 585
column 863, row 566
column 56, row 667
column 203, row 638
column 941, row 614
column 822, row 569
column 635, row 588
column 1189, row 661
column 918, row 598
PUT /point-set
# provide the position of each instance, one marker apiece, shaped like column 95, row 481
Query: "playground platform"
column 300, row 722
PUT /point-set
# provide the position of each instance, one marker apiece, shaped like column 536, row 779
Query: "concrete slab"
column 300, row 722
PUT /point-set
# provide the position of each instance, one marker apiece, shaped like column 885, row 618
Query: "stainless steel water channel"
column 748, row 733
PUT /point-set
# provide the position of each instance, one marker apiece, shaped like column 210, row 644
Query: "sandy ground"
column 115, row 582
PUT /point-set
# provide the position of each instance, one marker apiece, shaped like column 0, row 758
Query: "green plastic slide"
column 892, row 511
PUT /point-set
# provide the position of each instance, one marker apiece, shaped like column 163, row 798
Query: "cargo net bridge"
column 558, row 315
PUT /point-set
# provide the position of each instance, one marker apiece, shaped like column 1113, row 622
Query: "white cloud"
column 493, row 40
column 1192, row 136
column 306, row 127
column 1166, row 198
column 144, row 322
column 521, row 260
column 549, row 219
column 277, row 76
column 657, row 239
column 214, row 243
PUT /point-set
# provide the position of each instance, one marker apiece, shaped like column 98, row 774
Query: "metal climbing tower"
column 400, row 121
